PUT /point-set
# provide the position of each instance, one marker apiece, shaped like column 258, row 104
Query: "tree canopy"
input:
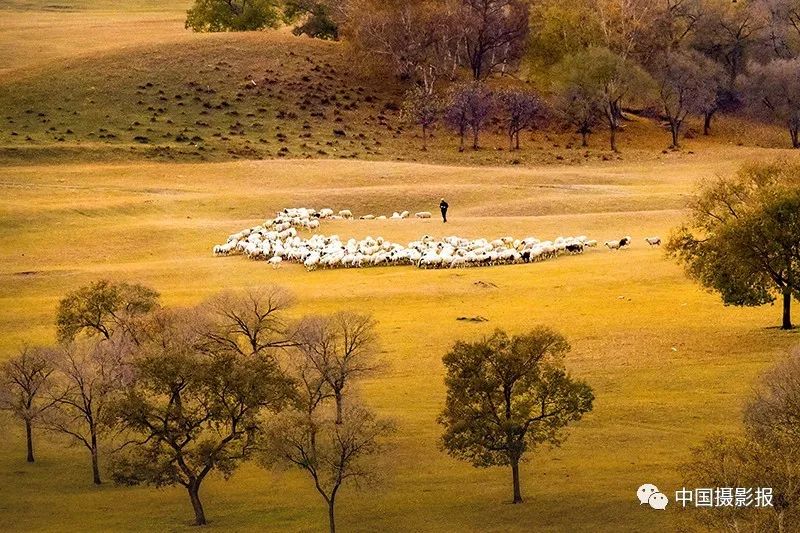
column 743, row 237
column 102, row 308
column 506, row 395
column 232, row 15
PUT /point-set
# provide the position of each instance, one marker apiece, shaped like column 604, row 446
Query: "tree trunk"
column 461, row 141
column 787, row 308
column 29, row 435
column 613, row 138
column 338, row 397
column 424, row 137
column 517, row 143
column 674, row 128
column 511, row 141
column 795, row 141
column 331, row 518
column 95, row 462
column 515, row 479
column 585, row 139
column 707, row 116
column 474, row 138
column 197, row 505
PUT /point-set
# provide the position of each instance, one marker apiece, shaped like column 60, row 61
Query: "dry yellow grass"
column 668, row 362
column 34, row 33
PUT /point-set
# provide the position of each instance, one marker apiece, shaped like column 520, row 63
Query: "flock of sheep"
column 277, row 240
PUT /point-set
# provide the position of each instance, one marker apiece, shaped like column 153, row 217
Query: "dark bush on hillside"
column 232, row 15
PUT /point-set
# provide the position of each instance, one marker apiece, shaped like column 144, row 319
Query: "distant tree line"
column 165, row 396
column 591, row 59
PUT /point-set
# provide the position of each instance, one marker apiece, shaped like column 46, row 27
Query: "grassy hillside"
column 42, row 32
column 265, row 95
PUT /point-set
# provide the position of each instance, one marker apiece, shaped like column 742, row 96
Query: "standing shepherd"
column 443, row 206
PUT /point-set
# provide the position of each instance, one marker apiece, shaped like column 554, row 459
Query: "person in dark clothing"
column 443, row 206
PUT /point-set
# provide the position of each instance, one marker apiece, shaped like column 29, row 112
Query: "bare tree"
column 773, row 92
column 782, row 26
column 25, row 383
column 495, row 34
column 418, row 40
column 341, row 347
column 623, row 24
column 686, row 85
column 470, row 106
column 332, row 452
column 251, row 321
column 520, row 111
column 765, row 454
column 89, row 373
column 727, row 33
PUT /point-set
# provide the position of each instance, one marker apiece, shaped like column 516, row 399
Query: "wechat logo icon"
column 650, row 495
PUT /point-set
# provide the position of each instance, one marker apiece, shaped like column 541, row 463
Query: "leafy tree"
column 103, row 307
column 315, row 18
column 743, row 237
column 89, row 375
column 579, row 108
column 232, row 15
column 192, row 409
column 422, row 108
column 333, row 453
column 773, row 92
column 519, row 110
column 560, row 28
column 608, row 78
column 508, row 394
column 25, row 383
column 686, row 85
column 340, row 347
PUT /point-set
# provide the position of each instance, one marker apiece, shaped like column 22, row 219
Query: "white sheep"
column 346, row 213
column 423, row 214
column 653, row 241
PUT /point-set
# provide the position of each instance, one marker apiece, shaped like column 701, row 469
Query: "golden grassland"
column 668, row 362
